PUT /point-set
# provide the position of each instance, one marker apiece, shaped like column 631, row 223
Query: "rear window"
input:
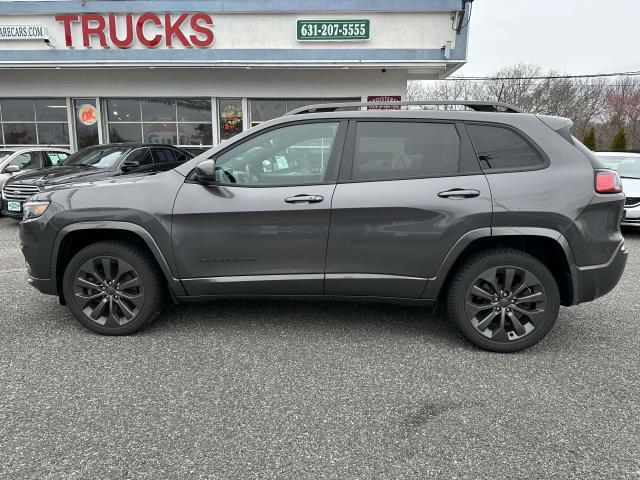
column 499, row 148
column 395, row 150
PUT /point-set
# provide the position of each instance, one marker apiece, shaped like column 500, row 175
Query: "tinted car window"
column 499, row 148
column 56, row 157
column 141, row 155
column 181, row 156
column 164, row 155
column 392, row 150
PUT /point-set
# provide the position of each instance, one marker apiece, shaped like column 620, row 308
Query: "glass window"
column 56, row 157
column 164, row 155
column 27, row 161
column 159, row 110
column 230, row 117
column 266, row 109
column 6, row 153
column 125, row 132
column 160, row 133
column 140, row 155
column 195, row 134
column 53, row 110
column 20, row 133
column 301, row 102
column 123, row 110
column 392, row 150
column 194, row 110
column 18, row 110
column 292, row 155
column 499, row 147
column 99, row 156
column 86, row 121
column 53, row 134
column 181, row 156
column 625, row 165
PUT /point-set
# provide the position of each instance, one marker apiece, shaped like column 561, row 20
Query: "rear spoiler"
column 560, row 125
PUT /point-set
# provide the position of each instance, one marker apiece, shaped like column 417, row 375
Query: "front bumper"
column 8, row 213
column 596, row 281
column 43, row 285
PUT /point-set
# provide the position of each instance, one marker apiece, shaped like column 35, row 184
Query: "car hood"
column 62, row 175
column 631, row 186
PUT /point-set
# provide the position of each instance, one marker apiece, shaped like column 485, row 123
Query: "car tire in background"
column 113, row 287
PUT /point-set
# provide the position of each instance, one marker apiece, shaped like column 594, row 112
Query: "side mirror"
column 12, row 168
column 129, row 165
column 206, row 171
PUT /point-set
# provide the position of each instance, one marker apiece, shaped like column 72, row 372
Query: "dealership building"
column 78, row 73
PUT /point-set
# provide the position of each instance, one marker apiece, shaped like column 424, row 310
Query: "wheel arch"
column 76, row 236
column 548, row 246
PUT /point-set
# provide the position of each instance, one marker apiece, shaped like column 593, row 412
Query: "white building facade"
column 194, row 73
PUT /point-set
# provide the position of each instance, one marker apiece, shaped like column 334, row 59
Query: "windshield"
column 5, row 153
column 104, row 157
column 625, row 165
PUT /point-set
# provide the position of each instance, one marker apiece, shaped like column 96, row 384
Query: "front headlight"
column 33, row 209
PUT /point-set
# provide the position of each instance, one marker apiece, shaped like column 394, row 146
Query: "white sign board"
column 24, row 32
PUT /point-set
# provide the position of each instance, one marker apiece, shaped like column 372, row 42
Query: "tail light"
column 608, row 181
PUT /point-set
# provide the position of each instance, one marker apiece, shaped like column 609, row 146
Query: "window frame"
column 467, row 161
column 333, row 166
column 534, row 146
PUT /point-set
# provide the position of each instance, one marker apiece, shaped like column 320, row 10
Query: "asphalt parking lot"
column 240, row 390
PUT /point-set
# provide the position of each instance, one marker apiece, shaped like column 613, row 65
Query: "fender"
column 174, row 283
column 436, row 283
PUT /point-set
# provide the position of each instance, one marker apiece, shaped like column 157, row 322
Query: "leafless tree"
column 604, row 103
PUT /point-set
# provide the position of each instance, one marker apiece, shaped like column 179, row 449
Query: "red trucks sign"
column 151, row 30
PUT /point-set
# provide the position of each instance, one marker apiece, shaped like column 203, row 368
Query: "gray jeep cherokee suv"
column 502, row 215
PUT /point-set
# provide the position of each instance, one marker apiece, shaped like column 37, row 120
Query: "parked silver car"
column 628, row 167
column 19, row 159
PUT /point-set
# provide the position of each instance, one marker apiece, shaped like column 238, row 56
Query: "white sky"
column 571, row 36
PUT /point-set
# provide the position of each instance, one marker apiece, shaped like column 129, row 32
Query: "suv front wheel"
column 113, row 288
column 504, row 300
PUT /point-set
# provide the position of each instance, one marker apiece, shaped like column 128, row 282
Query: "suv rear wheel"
column 113, row 288
column 504, row 300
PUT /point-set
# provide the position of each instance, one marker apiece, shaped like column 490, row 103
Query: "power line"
column 552, row 77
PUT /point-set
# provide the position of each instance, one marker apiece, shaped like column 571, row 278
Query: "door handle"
column 304, row 199
column 459, row 193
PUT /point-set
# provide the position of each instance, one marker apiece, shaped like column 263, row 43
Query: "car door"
column 262, row 227
column 408, row 190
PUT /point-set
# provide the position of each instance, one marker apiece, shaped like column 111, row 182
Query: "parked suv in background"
column 628, row 167
column 19, row 160
column 502, row 215
column 89, row 165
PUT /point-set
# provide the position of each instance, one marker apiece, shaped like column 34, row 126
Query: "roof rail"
column 473, row 105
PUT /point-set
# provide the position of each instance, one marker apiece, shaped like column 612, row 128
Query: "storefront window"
column 34, row 122
column 86, row 122
column 169, row 121
column 230, row 117
column 263, row 109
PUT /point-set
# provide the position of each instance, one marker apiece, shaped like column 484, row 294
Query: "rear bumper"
column 597, row 280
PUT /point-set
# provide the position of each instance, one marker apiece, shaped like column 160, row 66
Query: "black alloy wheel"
column 108, row 291
column 505, row 303
column 503, row 300
column 113, row 287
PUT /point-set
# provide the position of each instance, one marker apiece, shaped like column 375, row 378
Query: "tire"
column 511, row 276
column 132, row 300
